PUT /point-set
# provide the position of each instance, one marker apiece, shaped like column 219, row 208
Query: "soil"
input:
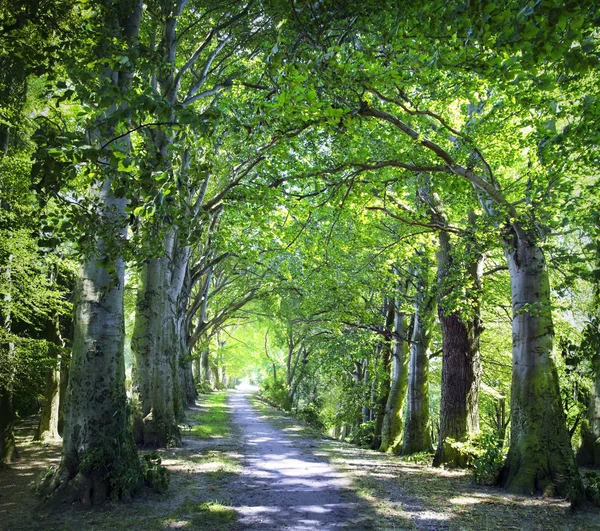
column 285, row 485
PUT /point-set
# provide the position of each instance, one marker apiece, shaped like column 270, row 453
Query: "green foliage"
column 362, row 435
column 483, row 452
column 311, row 413
column 156, row 476
column 204, row 388
column 276, row 393
column 591, row 480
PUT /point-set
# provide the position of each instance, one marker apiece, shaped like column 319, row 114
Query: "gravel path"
column 284, row 484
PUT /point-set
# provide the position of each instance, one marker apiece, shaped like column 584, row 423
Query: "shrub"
column 363, row 434
column 276, row 392
column 156, row 476
column 484, row 453
column 310, row 413
column 592, row 486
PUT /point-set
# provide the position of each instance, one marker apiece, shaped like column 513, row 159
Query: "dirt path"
column 284, row 485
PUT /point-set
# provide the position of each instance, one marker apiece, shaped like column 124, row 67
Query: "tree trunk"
column 417, row 437
column 65, row 362
column 588, row 453
column 392, row 420
column 461, row 365
column 382, row 392
column 7, row 423
column 7, row 412
column 99, row 457
column 99, row 454
column 153, row 372
column 540, row 458
column 205, row 367
column 48, row 425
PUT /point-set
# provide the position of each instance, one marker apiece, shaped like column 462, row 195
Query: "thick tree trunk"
column 205, row 367
column 154, row 369
column 588, row 453
column 540, row 458
column 392, row 420
column 461, row 365
column 7, row 423
column 417, row 437
column 99, row 455
column 382, row 391
column 99, row 458
column 65, row 362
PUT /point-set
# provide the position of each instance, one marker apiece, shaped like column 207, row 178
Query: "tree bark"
column 99, row 455
column 417, row 437
column 588, row 453
column 461, row 364
column 153, row 369
column 392, row 421
column 48, row 425
column 540, row 458
column 382, row 391
column 7, row 423
column 205, row 367
column 49, row 411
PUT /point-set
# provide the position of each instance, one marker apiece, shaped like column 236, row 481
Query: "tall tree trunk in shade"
column 417, row 437
column 383, row 391
column 461, row 364
column 392, row 421
column 99, row 455
column 153, row 371
column 588, row 453
column 50, row 408
column 7, row 422
column 7, row 411
column 540, row 457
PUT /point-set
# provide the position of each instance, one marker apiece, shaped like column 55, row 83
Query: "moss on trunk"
column 540, row 457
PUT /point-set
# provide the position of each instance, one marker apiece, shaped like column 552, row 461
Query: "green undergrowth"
column 214, row 419
column 214, row 515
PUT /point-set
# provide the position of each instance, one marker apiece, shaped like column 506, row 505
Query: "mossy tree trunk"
column 382, row 388
column 7, row 422
column 392, row 420
column 588, row 452
column 99, row 457
column 461, row 365
column 540, row 457
column 154, row 370
column 417, row 437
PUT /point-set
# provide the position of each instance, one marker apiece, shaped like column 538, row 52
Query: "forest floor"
column 245, row 465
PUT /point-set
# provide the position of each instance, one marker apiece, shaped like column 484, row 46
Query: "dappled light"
column 299, row 264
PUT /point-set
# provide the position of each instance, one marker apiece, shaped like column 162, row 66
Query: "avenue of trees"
column 384, row 213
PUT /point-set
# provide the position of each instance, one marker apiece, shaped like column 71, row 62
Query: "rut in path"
column 284, row 485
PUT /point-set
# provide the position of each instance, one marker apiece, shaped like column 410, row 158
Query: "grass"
column 214, row 421
column 201, row 474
